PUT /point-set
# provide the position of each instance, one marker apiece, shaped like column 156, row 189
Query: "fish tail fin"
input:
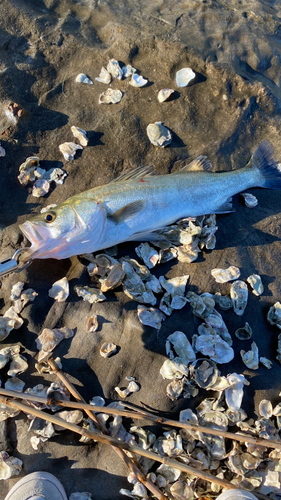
column 263, row 161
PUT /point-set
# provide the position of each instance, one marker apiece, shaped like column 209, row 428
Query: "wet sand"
column 231, row 106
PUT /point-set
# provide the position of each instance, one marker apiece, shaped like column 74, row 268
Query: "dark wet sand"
column 233, row 105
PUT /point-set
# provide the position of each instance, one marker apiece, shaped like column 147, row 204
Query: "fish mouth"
column 35, row 234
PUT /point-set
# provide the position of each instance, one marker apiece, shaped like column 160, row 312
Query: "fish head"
column 71, row 228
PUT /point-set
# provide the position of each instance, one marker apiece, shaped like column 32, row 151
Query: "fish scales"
column 139, row 203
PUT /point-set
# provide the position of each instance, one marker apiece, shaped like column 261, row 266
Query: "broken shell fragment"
column 158, row 134
column 2, row 151
column 110, row 96
column 223, row 301
column 82, row 78
column 107, row 349
column 81, row 135
column 114, row 69
column 179, row 349
column 250, row 200
column 266, row 362
column 251, row 358
column 113, row 279
column 137, row 81
column 204, row 372
column 150, row 316
column 40, row 188
column 214, row 347
column 9, row 466
column 184, row 76
column 255, row 281
column 148, row 254
column 49, row 339
column 89, row 294
column 128, row 70
column 225, row 275
column 16, row 290
column 68, row 149
column 165, row 94
column 132, row 387
column 265, row 408
column 80, row 496
column 244, row 333
column 56, row 175
column 104, row 76
column 60, row 290
column 14, row 384
column 18, row 365
column 92, row 324
column 239, row 296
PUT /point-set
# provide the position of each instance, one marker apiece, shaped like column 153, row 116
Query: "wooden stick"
column 245, row 438
column 116, row 443
column 90, row 412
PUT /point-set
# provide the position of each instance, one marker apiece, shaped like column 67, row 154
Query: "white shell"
column 113, row 279
column 239, row 296
column 150, row 316
column 255, row 281
column 114, row 69
column 104, row 76
column 16, row 290
column 40, row 188
column 274, row 315
column 44, row 367
column 60, row 290
column 138, row 81
column 179, row 349
column 174, row 286
column 56, row 175
column 49, row 339
column 128, row 70
column 251, row 358
column 214, row 347
column 184, row 76
column 9, row 466
column 225, row 275
column 92, row 324
column 234, row 393
column 158, row 134
column 265, row 408
column 170, row 370
column 107, row 349
column 2, row 151
column 82, row 78
column 132, row 387
column 90, row 294
column 244, row 333
column 110, row 96
column 169, row 473
column 25, row 297
column 250, row 200
column 165, row 94
column 217, row 323
column 68, row 149
column 72, row 416
column 18, row 365
column 97, row 401
column 266, row 362
column 14, row 384
column 180, row 490
column 81, row 135
column 148, row 254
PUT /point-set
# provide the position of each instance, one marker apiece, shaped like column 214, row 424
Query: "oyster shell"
column 134, row 286
column 114, row 69
column 179, row 349
column 239, row 296
column 56, row 175
column 251, row 358
column 225, row 275
column 204, row 372
column 72, row 416
column 234, row 393
column 244, row 333
column 250, row 200
column 2, row 151
column 128, row 70
column 169, row 473
column 18, row 365
column 184, row 76
column 25, row 297
column 43, row 366
column 104, row 76
column 16, row 290
column 224, row 302
column 110, row 96
column 255, row 281
column 214, row 444
column 274, row 315
column 40, row 188
column 89, row 294
column 14, row 384
column 113, row 279
column 132, row 387
column 170, row 369
column 219, row 326
column 266, row 362
column 214, row 347
column 165, row 95
column 49, row 339
column 175, row 388
column 82, row 78
column 137, row 81
column 265, row 408
column 81, row 135
column 9, row 466
column 188, row 253
column 158, row 134
column 147, row 254
column 202, row 306
column 150, row 316
column 107, row 349
column 68, row 149
column 92, row 324
column 174, row 286
column 60, row 290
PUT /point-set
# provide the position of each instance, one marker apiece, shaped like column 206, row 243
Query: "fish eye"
column 50, row 217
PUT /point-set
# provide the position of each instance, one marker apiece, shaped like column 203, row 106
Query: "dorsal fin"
column 137, row 173
column 201, row 163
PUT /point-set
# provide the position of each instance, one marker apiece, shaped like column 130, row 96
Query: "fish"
column 138, row 203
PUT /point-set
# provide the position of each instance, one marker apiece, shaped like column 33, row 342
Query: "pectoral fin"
column 225, row 207
column 127, row 212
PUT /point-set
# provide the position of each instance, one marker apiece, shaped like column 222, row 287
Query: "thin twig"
column 90, row 412
column 135, row 414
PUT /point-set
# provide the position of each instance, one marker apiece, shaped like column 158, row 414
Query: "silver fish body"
column 135, row 205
